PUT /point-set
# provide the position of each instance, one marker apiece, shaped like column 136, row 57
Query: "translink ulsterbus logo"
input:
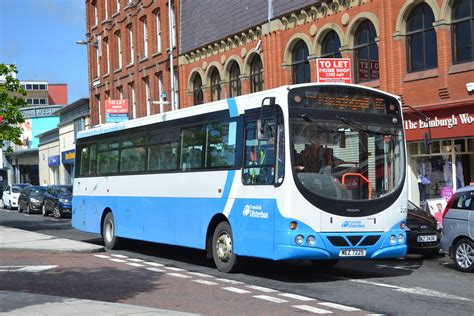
column 254, row 211
column 352, row 224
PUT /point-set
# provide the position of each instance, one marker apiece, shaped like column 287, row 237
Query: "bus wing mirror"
column 261, row 130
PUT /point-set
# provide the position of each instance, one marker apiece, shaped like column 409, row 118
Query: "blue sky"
column 39, row 36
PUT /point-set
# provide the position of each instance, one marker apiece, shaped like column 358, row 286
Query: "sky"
column 39, row 37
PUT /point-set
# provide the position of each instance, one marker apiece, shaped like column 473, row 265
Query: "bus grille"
column 370, row 240
column 341, row 241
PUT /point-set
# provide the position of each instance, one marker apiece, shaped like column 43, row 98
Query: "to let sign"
column 116, row 111
column 334, row 70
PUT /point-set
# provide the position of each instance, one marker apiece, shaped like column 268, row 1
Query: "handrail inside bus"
column 360, row 175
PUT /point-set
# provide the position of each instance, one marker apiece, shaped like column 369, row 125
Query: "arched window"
column 215, row 85
column 197, row 90
column 463, row 31
column 256, row 74
column 331, row 44
column 366, row 53
column 235, row 86
column 299, row 63
column 421, row 39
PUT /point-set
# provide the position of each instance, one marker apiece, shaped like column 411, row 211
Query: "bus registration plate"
column 352, row 253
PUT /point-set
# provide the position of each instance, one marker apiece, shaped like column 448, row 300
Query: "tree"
column 11, row 100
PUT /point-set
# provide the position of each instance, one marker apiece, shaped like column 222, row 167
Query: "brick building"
column 128, row 52
column 419, row 50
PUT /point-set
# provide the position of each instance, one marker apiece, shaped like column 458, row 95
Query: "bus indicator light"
column 293, row 225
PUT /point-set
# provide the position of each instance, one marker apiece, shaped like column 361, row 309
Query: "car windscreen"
column 17, row 188
column 64, row 191
column 38, row 191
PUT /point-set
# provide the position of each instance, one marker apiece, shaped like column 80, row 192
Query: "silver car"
column 458, row 229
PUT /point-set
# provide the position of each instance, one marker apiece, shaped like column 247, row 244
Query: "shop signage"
column 39, row 111
column 53, row 161
column 116, row 111
column 68, row 156
column 449, row 122
column 364, row 66
column 334, row 70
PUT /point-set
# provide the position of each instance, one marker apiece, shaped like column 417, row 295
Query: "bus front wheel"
column 108, row 232
column 223, row 248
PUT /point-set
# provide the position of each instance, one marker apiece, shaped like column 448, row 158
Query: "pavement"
column 20, row 303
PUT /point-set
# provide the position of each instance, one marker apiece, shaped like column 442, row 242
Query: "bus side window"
column 260, row 154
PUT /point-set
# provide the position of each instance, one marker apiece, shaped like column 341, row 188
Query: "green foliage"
column 11, row 100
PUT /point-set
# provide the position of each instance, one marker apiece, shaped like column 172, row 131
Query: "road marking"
column 236, row 290
column 261, row 288
column 297, row 297
column 175, row 269
column 339, row 306
column 120, row 256
column 117, row 260
column 406, row 268
column 271, row 299
column 229, row 281
column 26, row 268
column 201, row 275
column 179, row 275
column 205, row 282
column 135, row 260
column 134, row 264
column 156, row 270
column 102, row 256
column 312, row 309
column 155, row 264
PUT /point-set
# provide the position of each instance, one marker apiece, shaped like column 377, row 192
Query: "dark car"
column 423, row 232
column 57, row 201
column 31, row 199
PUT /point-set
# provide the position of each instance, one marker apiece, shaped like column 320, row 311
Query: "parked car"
column 11, row 193
column 423, row 232
column 458, row 229
column 57, row 200
column 31, row 199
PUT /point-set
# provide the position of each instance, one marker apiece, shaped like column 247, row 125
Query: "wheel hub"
column 109, row 231
column 224, row 246
column 464, row 256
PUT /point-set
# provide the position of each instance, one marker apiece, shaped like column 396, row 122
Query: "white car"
column 11, row 194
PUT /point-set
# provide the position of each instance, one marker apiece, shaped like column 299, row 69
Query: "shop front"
column 53, row 163
column 447, row 164
column 67, row 159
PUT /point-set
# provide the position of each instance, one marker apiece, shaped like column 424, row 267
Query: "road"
column 184, row 279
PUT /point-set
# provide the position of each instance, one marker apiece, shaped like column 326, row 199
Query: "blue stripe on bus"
column 228, row 184
column 233, row 111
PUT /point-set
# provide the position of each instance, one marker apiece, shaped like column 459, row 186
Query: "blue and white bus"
column 312, row 172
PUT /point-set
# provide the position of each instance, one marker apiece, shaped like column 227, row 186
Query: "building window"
column 119, row 49
column 117, row 6
column 421, row 39
column 158, row 32
column 130, row 37
column 256, row 74
column 107, row 53
column 197, row 90
column 235, row 85
column 120, row 92
column 300, row 69
column 96, row 13
column 173, row 26
column 366, row 53
column 215, row 85
column 146, row 81
column 161, row 91
column 99, row 110
column 176, row 88
column 463, row 31
column 97, row 60
column 145, row 37
column 331, row 45
column 106, row 9
column 131, row 87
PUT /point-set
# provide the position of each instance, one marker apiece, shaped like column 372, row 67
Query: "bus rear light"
column 402, row 225
column 299, row 239
column 311, row 241
column 293, row 225
column 393, row 240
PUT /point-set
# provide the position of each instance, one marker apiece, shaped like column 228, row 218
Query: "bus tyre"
column 44, row 211
column 464, row 255
column 108, row 232
column 223, row 248
column 324, row 263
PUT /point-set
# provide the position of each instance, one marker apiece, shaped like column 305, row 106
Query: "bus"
column 307, row 172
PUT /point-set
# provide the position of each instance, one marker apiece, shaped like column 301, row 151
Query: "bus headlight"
column 311, row 241
column 401, row 239
column 393, row 240
column 299, row 239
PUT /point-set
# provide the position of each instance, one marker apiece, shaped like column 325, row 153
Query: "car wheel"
column 44, row 211
column 223, row 249
column 108, row 232
column 28, row 211
column 464, row 255
column 56, row 212
column 19, row 208
column 324, row 263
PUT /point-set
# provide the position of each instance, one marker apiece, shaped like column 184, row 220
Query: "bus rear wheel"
column 223, row 249
column 108, row 232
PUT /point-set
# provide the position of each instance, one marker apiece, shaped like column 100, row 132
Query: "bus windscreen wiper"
column 319, row 127
column 360, row 127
